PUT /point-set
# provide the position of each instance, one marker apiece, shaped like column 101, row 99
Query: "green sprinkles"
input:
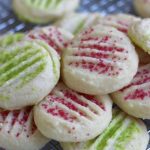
column 126, row 136
column 10, row 39
column 19, row 61
column 45, row 4
column 33, row 74
column 110, row 132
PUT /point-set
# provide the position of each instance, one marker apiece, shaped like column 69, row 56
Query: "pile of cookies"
column 59, row 82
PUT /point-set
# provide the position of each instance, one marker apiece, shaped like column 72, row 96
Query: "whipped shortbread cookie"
column 139, row 32
column 28, row 72
column 76, row 22
column 120, row 21
column 19, row 132
column 123, row 133
column 43, row 11
column 65, row 115
column 99, row 60
column 55, row 37
column 134, row 98
column 142, row 7
column 8, row 39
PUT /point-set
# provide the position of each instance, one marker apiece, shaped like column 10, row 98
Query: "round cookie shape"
column 65, row 115
column 134, row 98
column 18, row 131
column 8, row 39
column 123, row 133
column 100, row 60
column 139, row 33
column 44, row 11
column 28, row 73
column 76, row 22
column 142, row 7
column 119, row 21
column 55, row 37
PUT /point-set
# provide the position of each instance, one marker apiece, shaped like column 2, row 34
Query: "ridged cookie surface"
column 8, row 39
column 28, row 72
column 120, row 21
column 55, row 37
column 134, row 98
column 66, row 115
column 99, row 60
column 123, row 133
column 18, row 131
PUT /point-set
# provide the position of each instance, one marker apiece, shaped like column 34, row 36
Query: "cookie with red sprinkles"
column 120, row 21
column 100, row 60
column 57, row 38
column 19, row 132
column 65, row 115
column 135, row 98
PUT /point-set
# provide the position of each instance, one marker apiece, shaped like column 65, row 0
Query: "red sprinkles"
column 103, row 51
column 53, row 37
column 17, row 120
column 141, row 79
column 53, row 104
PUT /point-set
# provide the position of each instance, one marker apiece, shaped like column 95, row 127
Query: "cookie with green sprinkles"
column 8, row 39
column 76, row 22
column 139, row 32
column 43, row 11
column 28, row 72
column 123, row 133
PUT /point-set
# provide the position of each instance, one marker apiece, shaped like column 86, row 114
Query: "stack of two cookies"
column 29, row 70
column 77, row 110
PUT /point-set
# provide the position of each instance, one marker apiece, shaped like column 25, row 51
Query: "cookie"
column 139, row 33
column 55, row 37
column 28, row 73
column 123, row 133
column 44, row 11
column 8, row 39
column 18, row 131
column 134, row 98
column 76, row 22
column 99, row 60
column 65, row 115
column 142, row 7
column 118, row 21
